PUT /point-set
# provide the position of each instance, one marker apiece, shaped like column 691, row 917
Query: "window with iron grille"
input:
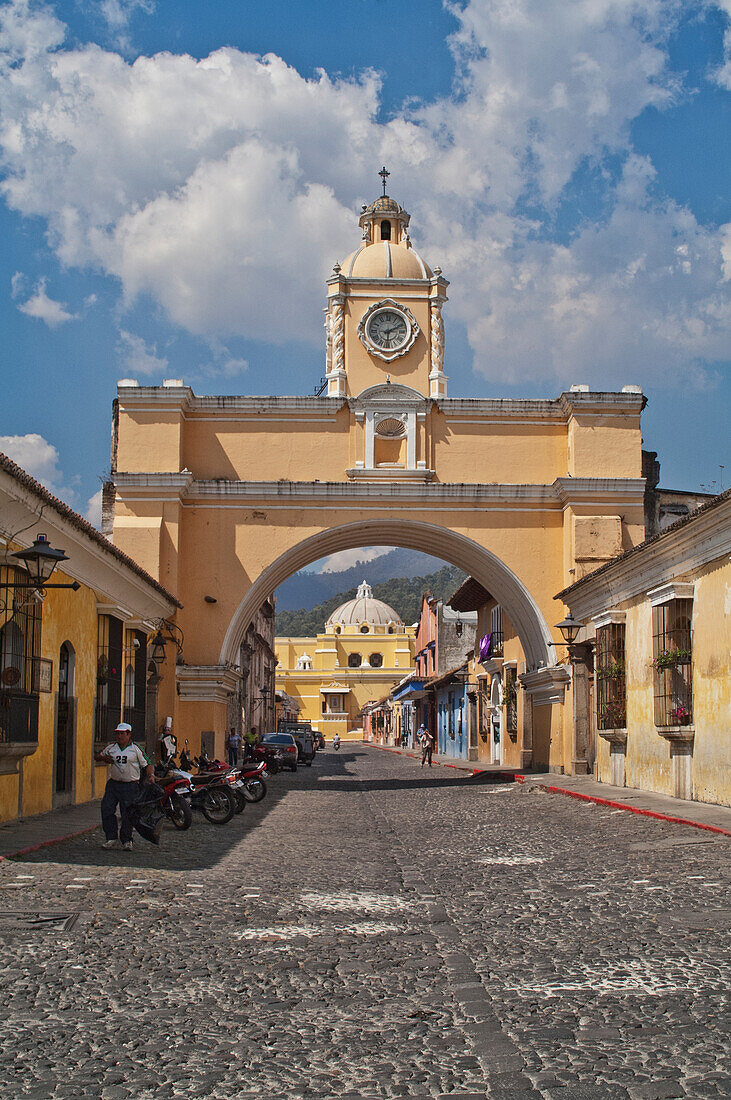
column 672, row 656
column 496, row 631
column 510, row 696
column 135, row 681
column 108, row 678
column 482, row 709
column 611, row 690
column 20, row 643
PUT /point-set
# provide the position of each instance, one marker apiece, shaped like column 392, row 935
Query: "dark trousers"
column 426, row 752
column 122, row 795
column 233, row 756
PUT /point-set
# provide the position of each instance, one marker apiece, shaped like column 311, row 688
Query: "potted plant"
column 612, row 716
column 613, row 671
column 670, row 658
column 680, row 714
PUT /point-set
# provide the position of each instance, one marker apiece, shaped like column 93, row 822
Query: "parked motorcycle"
column 210, row 794
column 252, row 778
column 175, row 802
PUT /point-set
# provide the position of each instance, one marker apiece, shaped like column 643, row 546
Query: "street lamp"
column 569, row 629
column 166, row 632
column 39, row 561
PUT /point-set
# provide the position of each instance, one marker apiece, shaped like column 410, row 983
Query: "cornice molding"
column 546, row 685
column 573, row 490
column 206, row 683
column 379, row 484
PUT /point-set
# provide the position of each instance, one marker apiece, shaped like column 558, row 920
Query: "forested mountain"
column 307, row 589
column 402, row 593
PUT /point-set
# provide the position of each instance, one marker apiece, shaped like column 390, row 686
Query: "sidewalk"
column 42, row 830
column 701, row 815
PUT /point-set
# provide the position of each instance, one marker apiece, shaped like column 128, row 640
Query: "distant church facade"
column 364, row 651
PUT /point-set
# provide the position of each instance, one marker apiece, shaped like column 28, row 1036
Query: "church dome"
column 385, row 260
column 364, row 609
column 384, row 204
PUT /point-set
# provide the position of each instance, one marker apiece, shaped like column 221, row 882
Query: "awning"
column 412, row 688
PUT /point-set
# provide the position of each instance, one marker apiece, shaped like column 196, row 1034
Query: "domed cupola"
column 386, row 251
column 364, row 614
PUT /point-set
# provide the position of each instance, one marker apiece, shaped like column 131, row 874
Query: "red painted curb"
column 634, row 809
column 48, row 843
column 518, row 778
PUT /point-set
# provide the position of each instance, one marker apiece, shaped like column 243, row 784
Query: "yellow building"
column 222, row 498
column 364, row 651
column 656, row 640
column 73, row 663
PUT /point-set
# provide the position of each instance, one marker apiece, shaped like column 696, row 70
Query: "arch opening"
column 456, row 549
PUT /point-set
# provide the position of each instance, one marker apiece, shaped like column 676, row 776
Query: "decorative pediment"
column 389, row 393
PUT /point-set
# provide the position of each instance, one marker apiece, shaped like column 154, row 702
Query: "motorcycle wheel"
column 218, row 805
column 240, row 799
column 179, row 811
column 255, row 789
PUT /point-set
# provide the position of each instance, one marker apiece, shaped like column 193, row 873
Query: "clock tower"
column 384, row 310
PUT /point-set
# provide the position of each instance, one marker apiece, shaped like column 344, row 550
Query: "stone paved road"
column 368, row 931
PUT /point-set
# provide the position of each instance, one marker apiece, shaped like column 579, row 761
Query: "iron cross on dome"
column 384, row 174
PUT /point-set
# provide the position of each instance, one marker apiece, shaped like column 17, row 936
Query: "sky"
column 178, row 179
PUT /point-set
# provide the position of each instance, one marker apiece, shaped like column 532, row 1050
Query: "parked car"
column 272, row 743
column 305, row 738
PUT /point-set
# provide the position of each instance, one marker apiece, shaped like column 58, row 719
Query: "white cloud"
column 138, row 357
column 118, row 13
column 40, row 306
column 18, row 284
column 225, row 188
column 335, row 563
column 36, row 456
column 40, row 459
column 94, row 510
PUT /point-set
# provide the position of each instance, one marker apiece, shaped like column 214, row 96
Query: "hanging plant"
column 613, row 671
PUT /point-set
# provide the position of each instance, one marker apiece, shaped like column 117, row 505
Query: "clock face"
column 388, row 329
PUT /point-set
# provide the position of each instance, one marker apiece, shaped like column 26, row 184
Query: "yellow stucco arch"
column 455, row 548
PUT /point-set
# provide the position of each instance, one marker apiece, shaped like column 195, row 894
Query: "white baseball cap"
column 123, row 727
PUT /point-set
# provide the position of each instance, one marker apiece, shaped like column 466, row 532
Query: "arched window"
column 337, row 629
column 385, row 231
column 12, row 656
column 66, row 672
column 129, row 687
column 354, row 660
column 376, row 660
column 365, row 629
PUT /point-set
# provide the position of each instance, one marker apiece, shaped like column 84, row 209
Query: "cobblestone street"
column 373, row 930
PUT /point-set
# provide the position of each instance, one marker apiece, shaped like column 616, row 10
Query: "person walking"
column 128, row 763
column 427, row 745
column 233, row 743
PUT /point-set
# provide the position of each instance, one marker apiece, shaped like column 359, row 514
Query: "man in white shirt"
column 127, row 764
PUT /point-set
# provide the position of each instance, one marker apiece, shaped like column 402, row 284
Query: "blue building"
column 451, row 705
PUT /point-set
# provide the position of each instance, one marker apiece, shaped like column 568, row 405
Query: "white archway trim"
column 441, row 542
